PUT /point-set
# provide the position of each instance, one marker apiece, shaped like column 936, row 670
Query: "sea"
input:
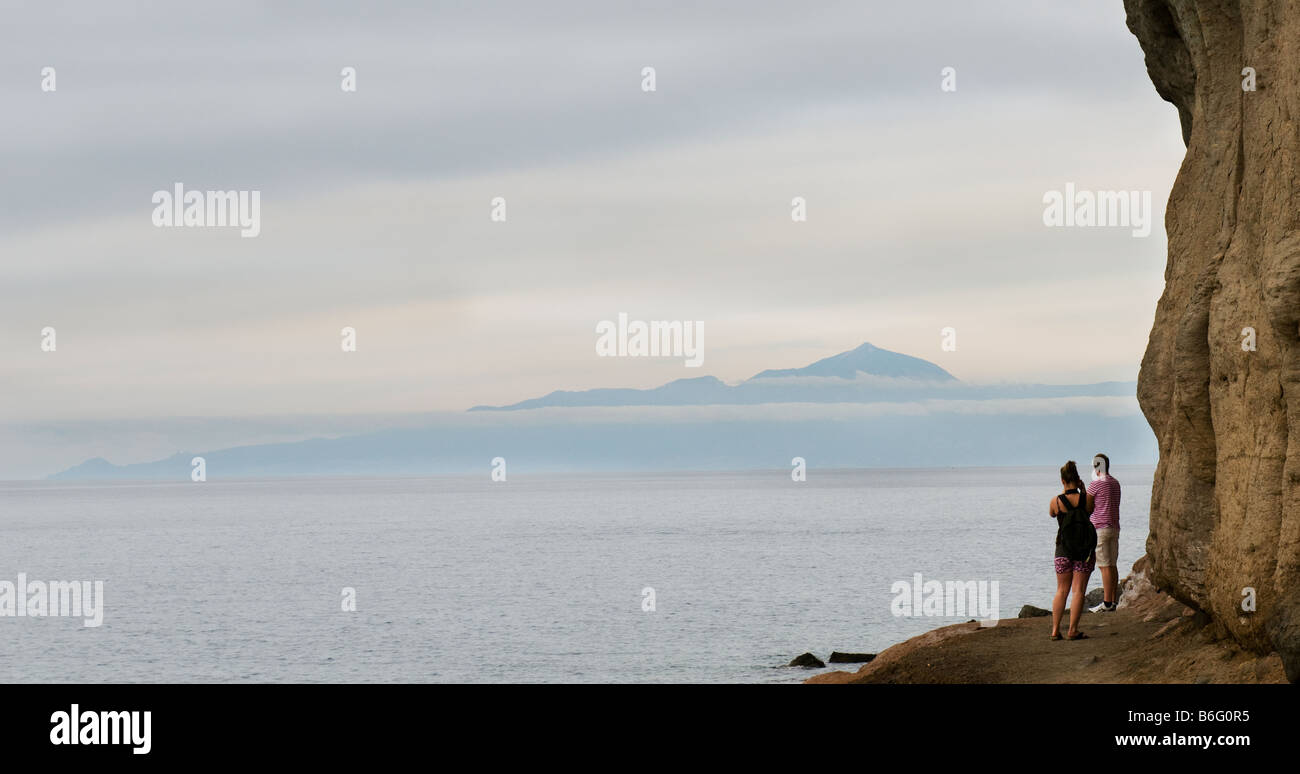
column 709, row 577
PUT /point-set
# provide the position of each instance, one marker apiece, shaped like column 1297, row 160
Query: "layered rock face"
column 1225, row 510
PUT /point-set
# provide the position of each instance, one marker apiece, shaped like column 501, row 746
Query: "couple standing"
column 1087, row 532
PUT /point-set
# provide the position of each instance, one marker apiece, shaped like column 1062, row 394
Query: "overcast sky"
column 924, row 207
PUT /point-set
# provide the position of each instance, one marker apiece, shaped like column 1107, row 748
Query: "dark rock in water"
column 851, row 658
column 1029, row 611
column 808, row 660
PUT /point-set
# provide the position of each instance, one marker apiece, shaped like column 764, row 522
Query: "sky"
column 924, row 206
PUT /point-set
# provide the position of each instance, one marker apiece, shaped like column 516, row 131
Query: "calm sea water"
column 532, row 580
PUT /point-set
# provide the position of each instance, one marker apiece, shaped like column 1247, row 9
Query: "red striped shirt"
column 1105, row 495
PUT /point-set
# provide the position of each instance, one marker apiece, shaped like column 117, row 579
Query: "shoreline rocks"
column 1152, row 639
column 807, row 661
column 851, row 658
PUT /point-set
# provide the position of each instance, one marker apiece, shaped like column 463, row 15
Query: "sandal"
column 1078, row 636
column 1055, row 637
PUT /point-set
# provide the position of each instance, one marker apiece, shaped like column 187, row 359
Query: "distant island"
column 867, row 374
column 867, row 407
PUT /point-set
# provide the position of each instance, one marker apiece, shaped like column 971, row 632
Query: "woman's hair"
column 1070, row 474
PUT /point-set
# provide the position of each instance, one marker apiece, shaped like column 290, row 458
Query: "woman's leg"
column 1080, row 588
column 1090, row 565
column 1058, row 602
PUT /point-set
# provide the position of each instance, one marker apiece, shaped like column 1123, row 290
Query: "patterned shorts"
column 1065, row 565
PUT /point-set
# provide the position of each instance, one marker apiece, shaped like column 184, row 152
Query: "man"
column 1104, row 491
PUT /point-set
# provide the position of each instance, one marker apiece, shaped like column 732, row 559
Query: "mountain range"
column 867, row 407
column 867, row 374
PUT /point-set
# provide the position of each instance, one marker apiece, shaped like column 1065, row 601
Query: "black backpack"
column 1076, row 538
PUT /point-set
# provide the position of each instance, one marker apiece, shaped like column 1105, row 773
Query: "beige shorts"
column 1107, row 546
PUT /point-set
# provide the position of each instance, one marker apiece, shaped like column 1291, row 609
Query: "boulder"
column 1220, row 380
column 1098, row 595
column 808, row 661
column 851, row 658
column 1029, row 611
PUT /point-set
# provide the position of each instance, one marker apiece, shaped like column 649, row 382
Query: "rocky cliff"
column 1220, row 382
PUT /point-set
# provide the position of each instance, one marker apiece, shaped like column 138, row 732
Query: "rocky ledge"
column 1151, row 638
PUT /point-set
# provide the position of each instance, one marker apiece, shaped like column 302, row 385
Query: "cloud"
column 797, row 412
column 36, row 449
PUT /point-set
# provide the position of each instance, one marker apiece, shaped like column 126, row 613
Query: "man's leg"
column 1108, row 583
column 1107, row 560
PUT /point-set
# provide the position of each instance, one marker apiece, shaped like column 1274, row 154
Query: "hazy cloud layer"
column 38, row 449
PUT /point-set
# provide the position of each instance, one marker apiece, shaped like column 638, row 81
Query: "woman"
column 1076, row 543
